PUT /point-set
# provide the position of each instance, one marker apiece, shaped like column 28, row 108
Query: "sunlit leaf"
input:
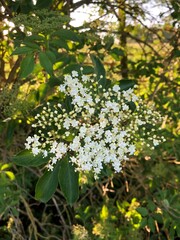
column 10, row 175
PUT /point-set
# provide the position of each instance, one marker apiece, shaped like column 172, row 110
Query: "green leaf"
column 26, row 159
column 46, row 62
column 27, row 66
column 42, row 91
column 68, row 181
column 99, row 71
column 43, row 3
column 71, row 67
column 54, row 81
column 11, row 126
column 88, row 70
column 158, row 217
column 151, row 224
column 99, row 68
column 151, row 206
column 46, row 185
column 67, row 34
column 143, row 222
column 34, row 38
column 126, row 84
column 22, row 50
column 116, row 53
column 32, row 45
column 51, row 56
column 143, row 211
column 60, row 43
column 109, row 41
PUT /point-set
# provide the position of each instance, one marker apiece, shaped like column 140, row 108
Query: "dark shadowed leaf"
column 46, row 62
column 126, row 84
column 46, row 185
column 27, row 66
column 67, row 34
column 143, row 211
column 151, row 224
column 99, row 71
column 43, row 3
column 25, row 158
column 68, row 181
column 22, row 50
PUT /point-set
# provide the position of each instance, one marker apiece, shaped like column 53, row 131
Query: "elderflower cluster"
column 93, row 126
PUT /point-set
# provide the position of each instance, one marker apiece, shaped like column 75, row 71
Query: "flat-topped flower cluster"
column 93, row 126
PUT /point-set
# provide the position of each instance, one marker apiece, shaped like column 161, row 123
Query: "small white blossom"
column 116, row 88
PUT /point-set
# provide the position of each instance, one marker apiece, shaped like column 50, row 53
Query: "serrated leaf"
column 25, row 158
column 22, row 50
column 143, row 222
column 151, row 224
column 151, row 206
column 68, row 181
column 143, row 211
column 27, row 66
column 46, row 185
column 46, row 62
column 158, row 217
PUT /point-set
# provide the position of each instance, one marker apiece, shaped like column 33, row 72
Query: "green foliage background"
column 141, row 202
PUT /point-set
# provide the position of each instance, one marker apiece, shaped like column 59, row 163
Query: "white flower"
column 102, row 127
column 131, row 149
column 74, row 123
column 103, row 122
column 45, row 153
column 67, row 123
column 125, row 107
column 53, row 147
column 82, row 131
column 74, row 146
column 74, row 73
column 116, row 88
column 155, row 142
column 91, row 111
column 50, row 167
column 62, row 88
column 85, row 78
column 35, row 151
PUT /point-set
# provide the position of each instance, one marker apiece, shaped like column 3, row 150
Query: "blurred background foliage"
column 141, row 202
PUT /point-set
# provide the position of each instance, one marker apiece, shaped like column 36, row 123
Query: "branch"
column 11, row 76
